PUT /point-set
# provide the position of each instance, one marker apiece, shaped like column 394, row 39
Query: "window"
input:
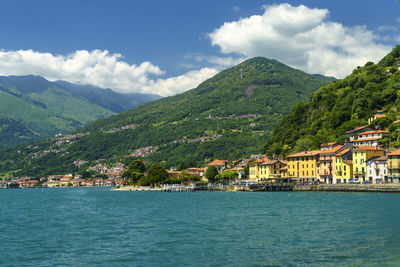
column 307, row 173
column 362, row 169
column 312, row 173
column 344, row 167
column 303, row 173
column 307, row 165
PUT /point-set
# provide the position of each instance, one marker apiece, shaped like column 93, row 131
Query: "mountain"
column 32, row 107
column 228, row 116
column 107, row 98
column 341, row 106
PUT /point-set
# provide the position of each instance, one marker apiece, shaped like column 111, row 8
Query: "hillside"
column 227, row 116
column 341, row 106
column 32, row 107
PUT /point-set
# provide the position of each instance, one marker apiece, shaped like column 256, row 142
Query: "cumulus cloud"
column 181, row 83
column 98, row 68
column 301, row 37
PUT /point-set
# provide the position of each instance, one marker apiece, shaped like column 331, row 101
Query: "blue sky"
column 167, row 47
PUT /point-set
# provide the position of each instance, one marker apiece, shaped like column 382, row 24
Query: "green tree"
column 135, row 171
column 137, row 166
column 210, row 173
column 156, row 174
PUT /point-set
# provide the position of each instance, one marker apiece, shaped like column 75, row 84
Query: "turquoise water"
column 86, row 227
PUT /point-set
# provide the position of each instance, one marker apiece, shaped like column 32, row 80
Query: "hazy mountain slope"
column 45, row 108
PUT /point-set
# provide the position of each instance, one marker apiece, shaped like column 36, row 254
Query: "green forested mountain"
column 32, row 107
column 341, row 106
column 228, row 116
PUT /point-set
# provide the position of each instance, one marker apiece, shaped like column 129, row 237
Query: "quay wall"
column 389, row 188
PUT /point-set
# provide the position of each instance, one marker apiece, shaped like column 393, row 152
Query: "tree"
column 137, row 166
column 228, row 176
column 135, row 171
column 210, row 174
column 156, row 174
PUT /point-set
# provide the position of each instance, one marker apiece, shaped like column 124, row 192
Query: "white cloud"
column 386, row 28
column 301, row 37
column 219, row 63
column 181, row 83
column 99, row 68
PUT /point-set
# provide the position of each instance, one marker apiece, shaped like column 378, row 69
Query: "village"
column 359, row 160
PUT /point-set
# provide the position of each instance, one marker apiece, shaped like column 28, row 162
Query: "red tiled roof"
column 333, row 150
column 329, row 144
column 217, row 163
column 373, row 132
column 271, row 162
column 394, row 153
column 341, row 153
column 357, row 129
column 305, row 154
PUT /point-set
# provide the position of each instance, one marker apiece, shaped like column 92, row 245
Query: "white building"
column 377, row 170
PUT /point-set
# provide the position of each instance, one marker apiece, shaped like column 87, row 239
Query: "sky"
column 168, row 47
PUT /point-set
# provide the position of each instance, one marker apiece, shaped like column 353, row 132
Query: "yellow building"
column 343, row 166
column 360, row 156
column 393, row 166
column 266, row 169
column 303, row 166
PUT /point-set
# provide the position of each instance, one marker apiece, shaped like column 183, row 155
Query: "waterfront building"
column 326, row 162
column 393, row 163
column 303, row 166
column 343, row 166
column 266, row 169
column 360, row 156
column 377, row 169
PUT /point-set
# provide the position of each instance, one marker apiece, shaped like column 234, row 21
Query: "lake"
column 97, row 226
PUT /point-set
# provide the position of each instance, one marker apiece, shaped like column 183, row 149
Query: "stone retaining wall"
column 349, row 187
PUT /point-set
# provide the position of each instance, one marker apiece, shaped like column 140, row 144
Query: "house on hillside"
column 352, row 134
column 370, row 138
column 379, row 114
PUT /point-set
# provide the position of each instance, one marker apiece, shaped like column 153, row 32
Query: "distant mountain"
column 32, row 107
column 228, row 116
column 107, row 98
